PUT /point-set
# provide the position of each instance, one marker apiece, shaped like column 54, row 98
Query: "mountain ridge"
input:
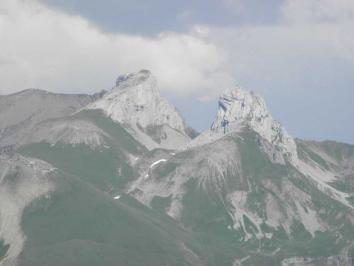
column 243, row 192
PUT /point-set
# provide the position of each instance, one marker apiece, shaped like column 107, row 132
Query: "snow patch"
column 157, row 162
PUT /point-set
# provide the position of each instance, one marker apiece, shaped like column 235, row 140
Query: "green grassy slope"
column 106, row 168
column 81, row 225
column 206, row 212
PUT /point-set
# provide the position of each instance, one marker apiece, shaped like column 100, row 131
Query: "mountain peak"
column 238, row 105
column 134, row 79
column 136, row 102
column 238, row 108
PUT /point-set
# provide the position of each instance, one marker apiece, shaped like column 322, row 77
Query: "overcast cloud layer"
column 302, row 61
column 45, row 48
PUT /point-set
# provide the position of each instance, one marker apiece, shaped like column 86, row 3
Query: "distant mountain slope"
column 233, row 191
column 22, row 180
column 50, row 217
column 19, row 112
column 89, row 145
column 331, row 156
column 247, row 181
column 120, row 180
column 79, row 225
column 134, row 102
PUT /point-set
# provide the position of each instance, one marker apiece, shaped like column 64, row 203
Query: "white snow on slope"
column 157, row 162
column 136, row 103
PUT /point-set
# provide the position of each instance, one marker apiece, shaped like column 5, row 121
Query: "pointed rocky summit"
column 136, row 103
column 238, row 108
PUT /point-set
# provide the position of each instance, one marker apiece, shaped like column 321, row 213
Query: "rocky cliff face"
column 247, row 178
column 136, row 103
column 238, row 108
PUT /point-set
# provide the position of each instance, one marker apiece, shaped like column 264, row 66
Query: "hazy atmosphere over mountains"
column 185, row 133
column 297, row 54
column 119, row 178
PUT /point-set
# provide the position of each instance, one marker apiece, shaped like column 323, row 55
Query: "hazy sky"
column 298, row 54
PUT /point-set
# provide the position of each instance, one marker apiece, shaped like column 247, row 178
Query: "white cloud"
column 308, row 55
column 45, row 48
column 326, row 24
column 308, row 34
column 304, row 11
